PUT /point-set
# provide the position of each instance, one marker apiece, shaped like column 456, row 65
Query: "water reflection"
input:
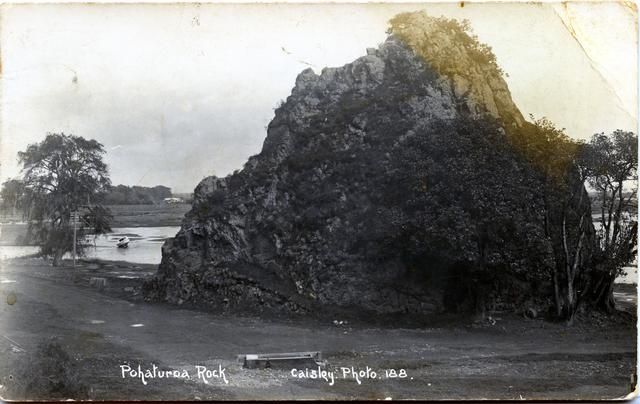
column 144, row 247
column 13, row 251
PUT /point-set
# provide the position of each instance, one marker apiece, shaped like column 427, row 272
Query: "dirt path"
column 513, row 358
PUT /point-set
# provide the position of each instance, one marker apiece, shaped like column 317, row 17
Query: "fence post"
column 75, row 221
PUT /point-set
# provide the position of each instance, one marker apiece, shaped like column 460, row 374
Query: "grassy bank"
column 148, row 215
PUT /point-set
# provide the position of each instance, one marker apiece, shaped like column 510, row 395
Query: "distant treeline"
column 135, row 195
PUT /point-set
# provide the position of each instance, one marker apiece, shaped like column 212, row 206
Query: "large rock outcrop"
column 387, row 185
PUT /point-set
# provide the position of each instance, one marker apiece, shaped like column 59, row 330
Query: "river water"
column 146, row 242
column 144, row 247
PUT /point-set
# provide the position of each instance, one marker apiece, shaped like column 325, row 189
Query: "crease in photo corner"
column 595, row 44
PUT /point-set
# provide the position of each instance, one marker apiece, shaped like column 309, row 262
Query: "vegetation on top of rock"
column 450, row 48
column 418, row 29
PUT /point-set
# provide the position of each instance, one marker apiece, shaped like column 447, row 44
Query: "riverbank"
column 13, row 231
column 144, row 246
column 120, row 279
column 105, row 323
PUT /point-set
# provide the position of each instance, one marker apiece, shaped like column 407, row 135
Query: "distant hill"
column 136, row 195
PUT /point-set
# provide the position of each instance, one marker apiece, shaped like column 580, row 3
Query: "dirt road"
column 515, row 358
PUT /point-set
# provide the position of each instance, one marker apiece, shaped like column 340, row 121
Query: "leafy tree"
column 607, row 163
column 610, row 165
column 567, row 208
column 12, row 195
column 62, row 174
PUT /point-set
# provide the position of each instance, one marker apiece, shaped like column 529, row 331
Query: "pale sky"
column 180, row 92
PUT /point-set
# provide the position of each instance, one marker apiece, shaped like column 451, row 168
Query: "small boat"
column 123, row 242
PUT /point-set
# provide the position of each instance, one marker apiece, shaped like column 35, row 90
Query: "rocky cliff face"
column 470, row 67
column 386, row 185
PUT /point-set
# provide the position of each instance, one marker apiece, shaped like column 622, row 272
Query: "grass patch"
column 48, row 373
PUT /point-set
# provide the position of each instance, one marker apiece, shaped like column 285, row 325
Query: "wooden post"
column 75, row 220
